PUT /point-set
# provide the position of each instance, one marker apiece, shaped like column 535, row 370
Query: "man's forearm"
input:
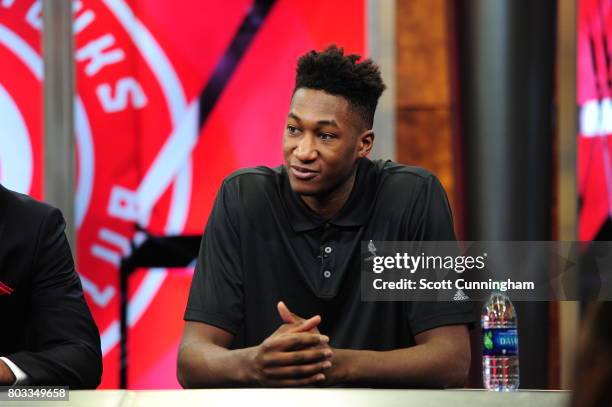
column 209, row 365
column 418, row 366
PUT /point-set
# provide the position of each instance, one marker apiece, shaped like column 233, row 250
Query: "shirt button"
column 328, row 250
column 327, row 274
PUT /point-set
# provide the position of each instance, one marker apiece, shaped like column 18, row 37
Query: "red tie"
column 5, row 289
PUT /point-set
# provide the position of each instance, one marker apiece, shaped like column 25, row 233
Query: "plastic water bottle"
column 500, row 357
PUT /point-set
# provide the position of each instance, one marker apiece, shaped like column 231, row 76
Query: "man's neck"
column 328, row 206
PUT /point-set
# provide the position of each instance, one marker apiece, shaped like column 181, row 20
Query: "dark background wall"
column 475, row 85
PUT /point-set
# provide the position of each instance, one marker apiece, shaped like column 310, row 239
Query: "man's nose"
column 306, row 149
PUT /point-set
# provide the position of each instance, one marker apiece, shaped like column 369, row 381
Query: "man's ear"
column 365, row 143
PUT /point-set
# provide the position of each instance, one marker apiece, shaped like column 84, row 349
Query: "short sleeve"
column 434, row 219
column 434, row 222
column 426, row 315
column 216, row 295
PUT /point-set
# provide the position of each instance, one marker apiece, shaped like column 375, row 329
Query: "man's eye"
column 327, row 136
column 292, row 130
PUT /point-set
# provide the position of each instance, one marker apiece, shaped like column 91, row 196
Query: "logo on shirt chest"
column 372, row 251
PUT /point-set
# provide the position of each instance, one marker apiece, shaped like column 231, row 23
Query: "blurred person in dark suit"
column 48, row 334
column 593, row 372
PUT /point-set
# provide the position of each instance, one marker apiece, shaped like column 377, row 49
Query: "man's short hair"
column 360, row 83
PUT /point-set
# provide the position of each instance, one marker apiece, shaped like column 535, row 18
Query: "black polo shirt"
column 263, row 244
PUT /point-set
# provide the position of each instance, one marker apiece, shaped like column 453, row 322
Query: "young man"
column 284, row 243
column 48, row 336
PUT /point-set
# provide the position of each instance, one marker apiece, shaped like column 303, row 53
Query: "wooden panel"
column 424, row 116
column 422, row 54
column 566, row 203
column 424, row 139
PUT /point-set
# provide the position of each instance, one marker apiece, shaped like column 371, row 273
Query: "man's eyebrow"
column 330, row 122
column 294, row 117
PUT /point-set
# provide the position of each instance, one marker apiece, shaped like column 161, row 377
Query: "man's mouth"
column 303, row 173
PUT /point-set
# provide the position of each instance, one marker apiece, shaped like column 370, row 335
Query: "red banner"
column 21, row 75
column 148, row 157
column 171, row 98
column 595, row 101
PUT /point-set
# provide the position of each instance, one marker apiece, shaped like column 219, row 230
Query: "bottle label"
column 500, row 342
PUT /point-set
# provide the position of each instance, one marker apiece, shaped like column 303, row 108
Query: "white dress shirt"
column 20, row 376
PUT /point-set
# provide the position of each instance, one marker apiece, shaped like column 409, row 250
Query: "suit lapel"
column 8, row 283
column 2, row 254
column 4, row 289
column 3, row 193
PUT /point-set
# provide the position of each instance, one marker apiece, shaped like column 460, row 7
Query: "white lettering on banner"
column 596, row 118
column 95, row 52
column 115, row 239
column 119, row 203
column 81, row 22
column 34, row 15
column 7, row 3
column 100, row 297
column 124, row 88
column 106, row 254
column 123, row 204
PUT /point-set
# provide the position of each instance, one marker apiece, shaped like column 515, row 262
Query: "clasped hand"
column 295, row 355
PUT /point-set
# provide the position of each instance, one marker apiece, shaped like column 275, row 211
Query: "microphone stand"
column 153, row 252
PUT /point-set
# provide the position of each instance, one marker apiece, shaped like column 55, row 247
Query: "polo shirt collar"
column 353, row 213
